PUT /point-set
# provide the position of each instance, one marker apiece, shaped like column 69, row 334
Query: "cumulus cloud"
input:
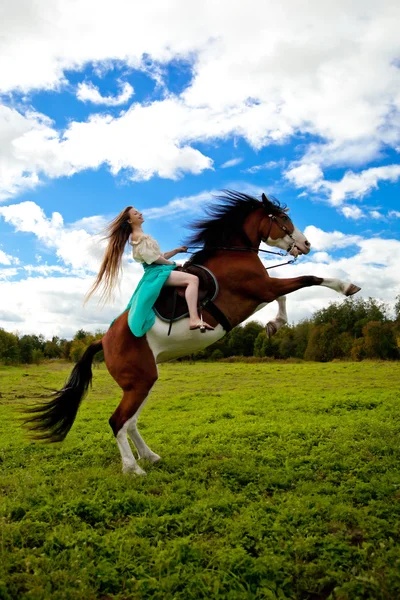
column 307, row 75
column 179, row 206
column 88, row 92
column 375, row 214
column 327, row 240
column 352, row 212
column 76, row 248
column 7, row 259
column 351, row 185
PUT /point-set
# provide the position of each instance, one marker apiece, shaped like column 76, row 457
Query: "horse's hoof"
column 133, row 470
column 153, row 458
column 271, row 329
column 352, row 289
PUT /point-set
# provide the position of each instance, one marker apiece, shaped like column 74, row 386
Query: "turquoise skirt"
column 141, row 315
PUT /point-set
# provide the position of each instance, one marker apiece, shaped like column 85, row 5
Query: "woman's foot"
column 202, row 325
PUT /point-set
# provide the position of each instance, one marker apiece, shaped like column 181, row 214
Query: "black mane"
column 224, row 225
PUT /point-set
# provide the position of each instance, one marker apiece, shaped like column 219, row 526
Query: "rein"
column 244, row 249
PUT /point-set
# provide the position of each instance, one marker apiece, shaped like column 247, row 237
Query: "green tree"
column 380, row 341
column 323, row 344
column 9, row 348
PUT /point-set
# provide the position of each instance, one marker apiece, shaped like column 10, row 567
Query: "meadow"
column 277, row 481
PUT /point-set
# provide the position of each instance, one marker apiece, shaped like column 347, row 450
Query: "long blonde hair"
column 117, row 233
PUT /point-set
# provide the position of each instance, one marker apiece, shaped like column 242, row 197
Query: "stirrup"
column 200, row 325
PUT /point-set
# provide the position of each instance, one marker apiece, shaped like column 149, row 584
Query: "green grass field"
column 277, row 481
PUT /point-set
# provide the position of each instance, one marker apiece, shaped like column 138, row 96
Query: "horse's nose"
column 307, row 243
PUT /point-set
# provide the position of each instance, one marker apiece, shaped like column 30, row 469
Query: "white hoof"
column 133, row 470
column 152, row 457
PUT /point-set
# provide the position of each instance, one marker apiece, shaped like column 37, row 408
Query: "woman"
column 158, row 271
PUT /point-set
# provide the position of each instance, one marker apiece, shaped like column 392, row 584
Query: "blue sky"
column 161, row 109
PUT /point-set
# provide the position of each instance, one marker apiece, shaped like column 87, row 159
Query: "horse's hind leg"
column 122, row 421
column 141, row 446
column 132, row 364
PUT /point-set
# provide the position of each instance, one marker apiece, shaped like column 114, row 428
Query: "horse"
column 229, row 239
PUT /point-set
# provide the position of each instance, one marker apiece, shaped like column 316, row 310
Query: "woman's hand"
column 182, row 249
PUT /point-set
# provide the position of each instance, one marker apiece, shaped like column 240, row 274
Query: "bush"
column 217, row 354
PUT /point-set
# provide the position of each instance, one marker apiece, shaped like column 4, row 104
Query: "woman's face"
column 135, row 217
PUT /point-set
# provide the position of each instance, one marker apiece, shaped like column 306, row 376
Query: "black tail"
column 52, row 420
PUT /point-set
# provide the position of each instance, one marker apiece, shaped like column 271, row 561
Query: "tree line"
column 354, row 329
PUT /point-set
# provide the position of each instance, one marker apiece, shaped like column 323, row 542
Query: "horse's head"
column 278, row 230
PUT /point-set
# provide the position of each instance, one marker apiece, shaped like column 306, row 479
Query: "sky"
column 162, row 104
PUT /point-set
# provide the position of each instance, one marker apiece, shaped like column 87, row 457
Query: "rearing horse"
column 230, row 239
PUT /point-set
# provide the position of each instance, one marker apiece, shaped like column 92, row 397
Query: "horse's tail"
column 51, row 421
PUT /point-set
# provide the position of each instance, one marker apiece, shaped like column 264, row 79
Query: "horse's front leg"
column 280, row 287
column 276, row 289
column 281, row 318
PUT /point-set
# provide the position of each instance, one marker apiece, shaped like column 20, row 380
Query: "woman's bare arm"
column 172, row 253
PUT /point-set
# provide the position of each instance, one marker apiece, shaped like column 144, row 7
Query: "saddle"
column 171, row 304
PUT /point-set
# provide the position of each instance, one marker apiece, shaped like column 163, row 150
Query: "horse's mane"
column 224, row 224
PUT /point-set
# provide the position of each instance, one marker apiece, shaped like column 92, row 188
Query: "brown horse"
column 230, row 240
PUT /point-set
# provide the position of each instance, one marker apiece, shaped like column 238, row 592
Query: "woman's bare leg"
column 191, row 285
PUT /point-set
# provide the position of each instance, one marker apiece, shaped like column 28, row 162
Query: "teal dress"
column 141, row 315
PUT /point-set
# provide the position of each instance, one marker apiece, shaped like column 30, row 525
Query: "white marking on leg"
column 343, row 287
column 281, row 318
column 142, row 448
column 129, row 464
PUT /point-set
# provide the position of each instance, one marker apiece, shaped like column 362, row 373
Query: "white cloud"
column 8, row 273
column 394, row 213
column 94, row 224
column 327, row 240
column 271, row 164
column 76, row 248
column 88, row 92
column 179, row 205
column 54, row 305
column 357, row 185
column 145, row 140
column 231, row 163
column 307, row 175
column 352, row 185
column 352, row 212
column 375, row 214
column 7, row 259
column 314, row 74
column 321, row 257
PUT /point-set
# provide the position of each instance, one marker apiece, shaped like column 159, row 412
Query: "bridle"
column 257, row 250
column 283, row 228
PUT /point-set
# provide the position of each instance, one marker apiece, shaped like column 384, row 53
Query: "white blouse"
column 145, row 249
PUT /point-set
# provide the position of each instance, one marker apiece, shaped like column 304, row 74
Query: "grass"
column 278, row 481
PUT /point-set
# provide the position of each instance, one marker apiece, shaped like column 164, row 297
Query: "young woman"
column 158, row 271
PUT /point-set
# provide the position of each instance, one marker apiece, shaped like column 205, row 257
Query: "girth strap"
column 173, row 310
column 218, row 315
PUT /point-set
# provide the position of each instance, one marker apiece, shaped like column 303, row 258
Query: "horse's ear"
column 264, row 199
